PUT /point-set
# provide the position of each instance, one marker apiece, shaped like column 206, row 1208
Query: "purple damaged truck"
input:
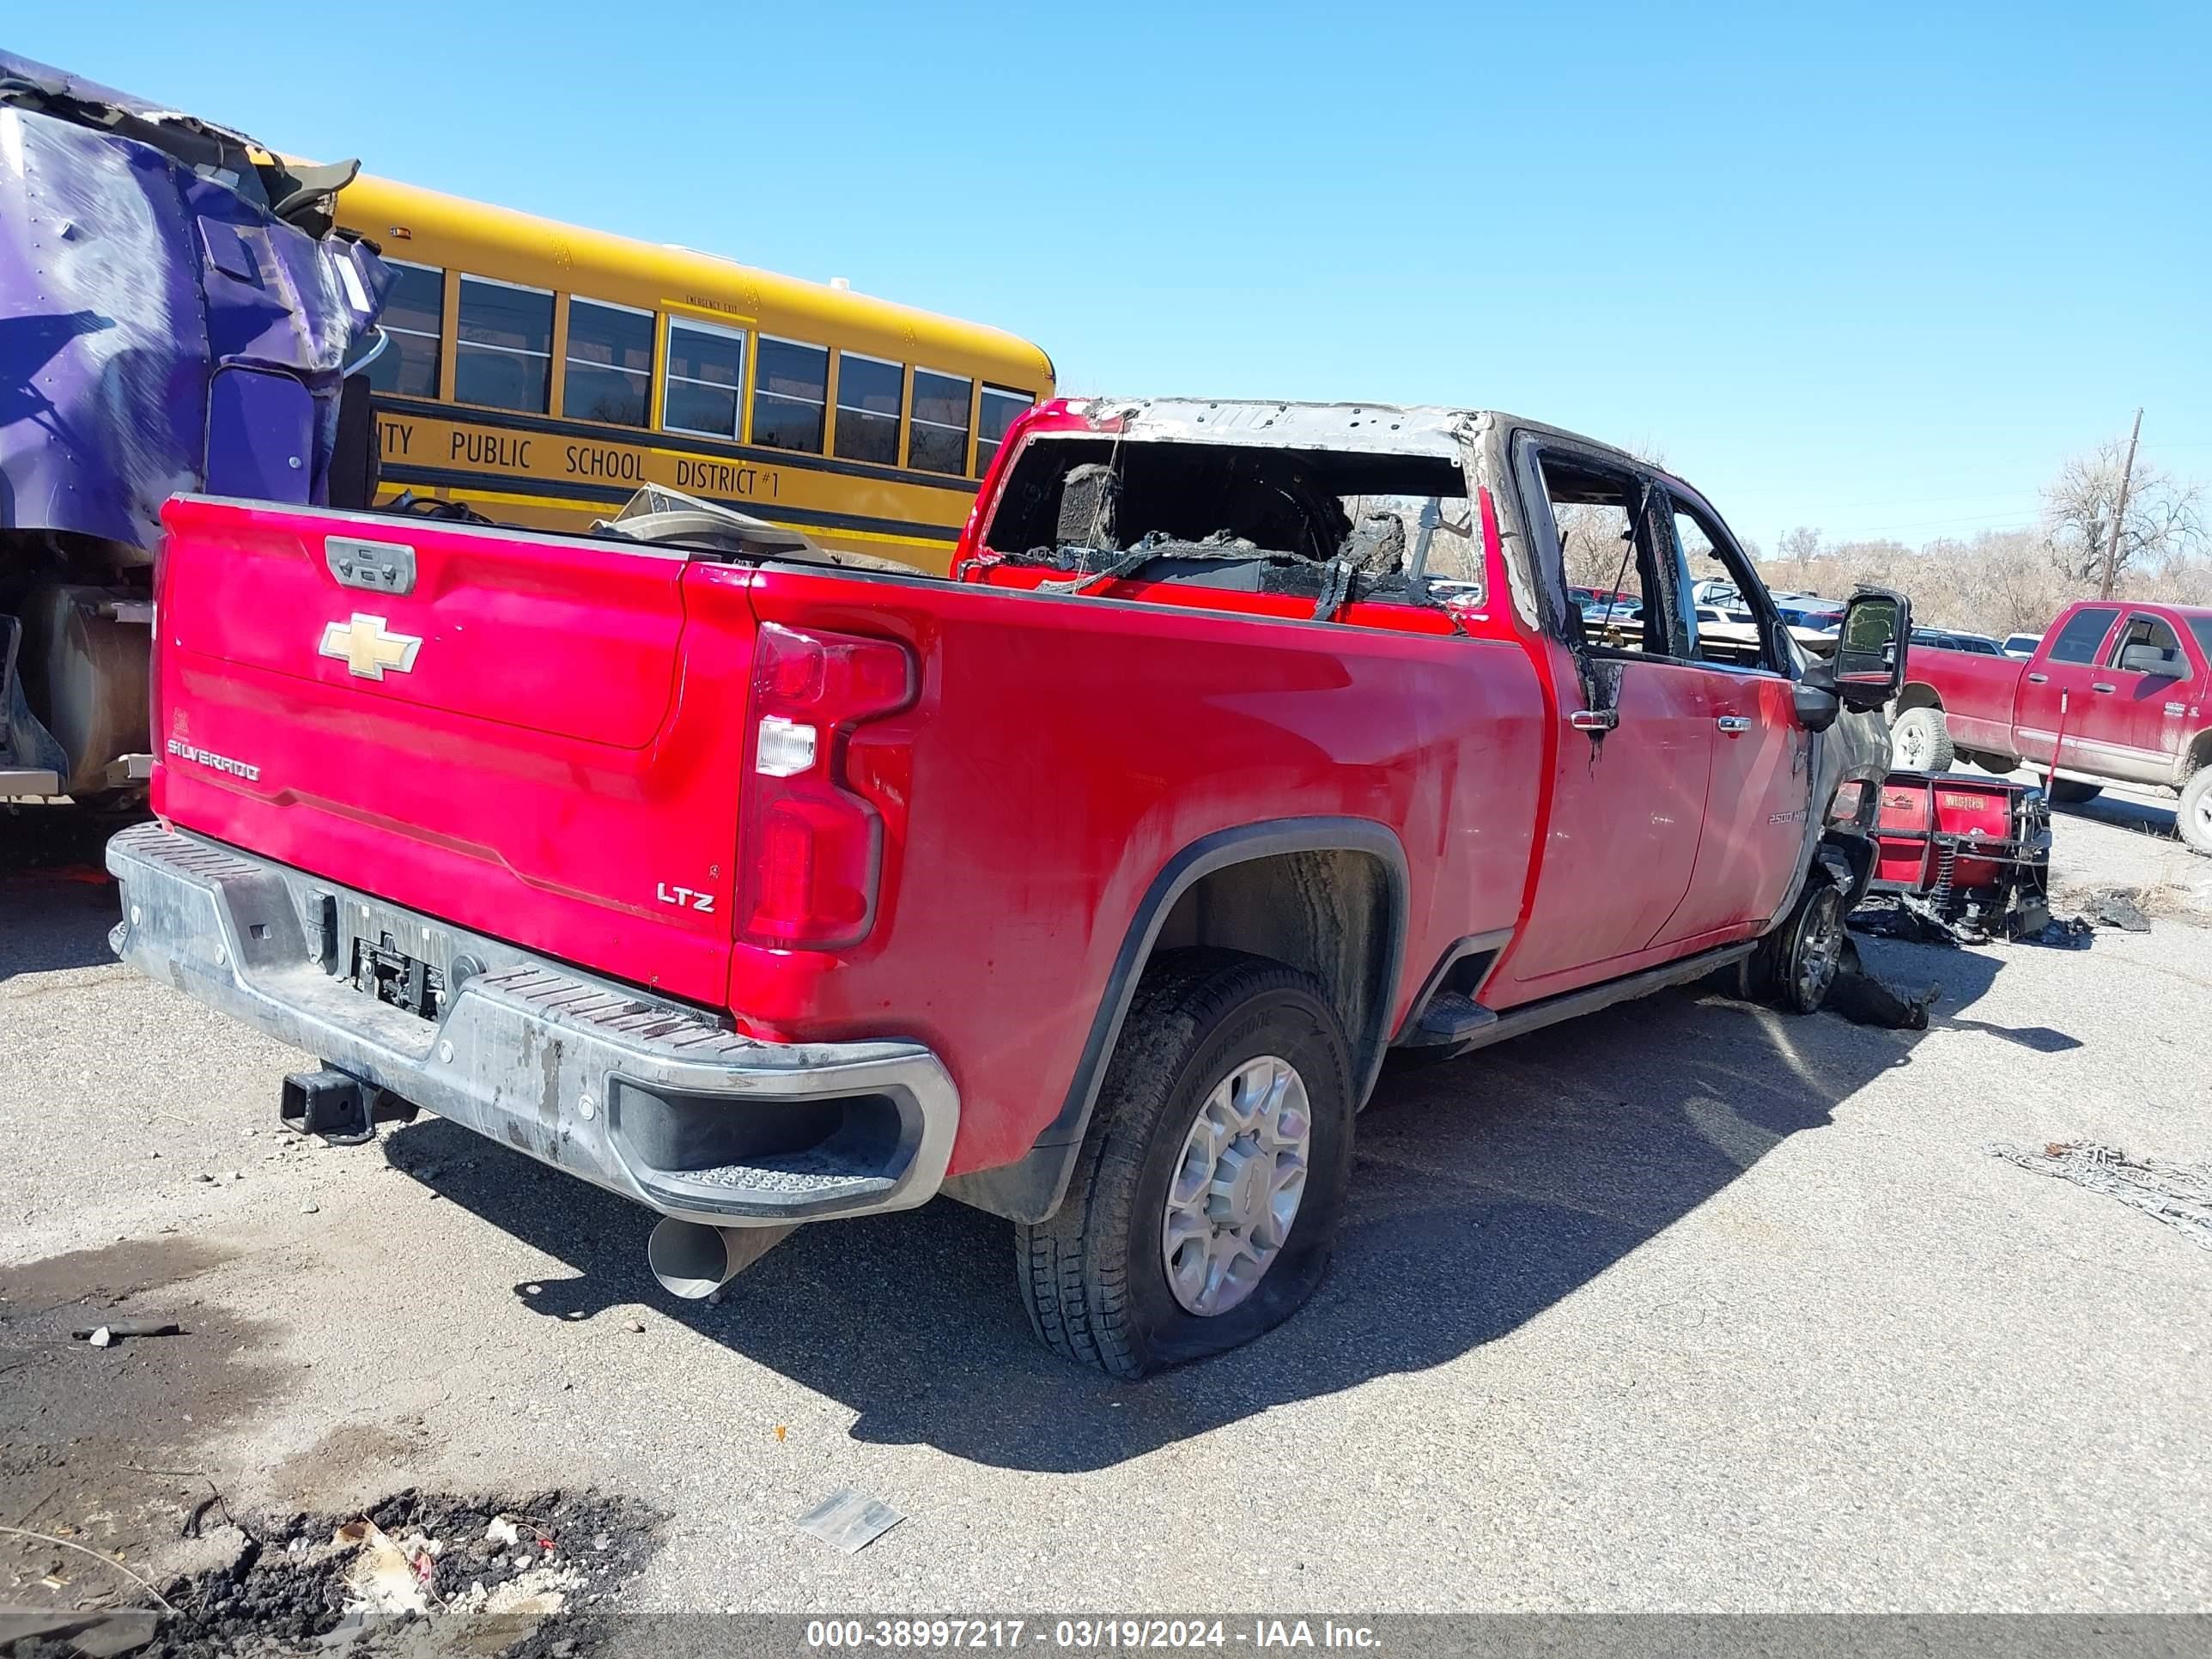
column 177, row 312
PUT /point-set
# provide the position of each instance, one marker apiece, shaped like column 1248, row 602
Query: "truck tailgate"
column 538, row 738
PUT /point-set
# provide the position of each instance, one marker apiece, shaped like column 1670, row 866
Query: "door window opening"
column 1603, row 522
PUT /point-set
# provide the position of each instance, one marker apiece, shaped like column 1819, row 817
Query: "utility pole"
column 2120, row 517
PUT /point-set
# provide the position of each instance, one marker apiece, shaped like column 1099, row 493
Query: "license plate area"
column 381, row 969
column 400, row 961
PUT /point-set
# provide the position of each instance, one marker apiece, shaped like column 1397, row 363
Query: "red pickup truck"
column 2116, row 691
column 1089, row 886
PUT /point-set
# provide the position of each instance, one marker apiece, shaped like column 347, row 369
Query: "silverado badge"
column 365, row 649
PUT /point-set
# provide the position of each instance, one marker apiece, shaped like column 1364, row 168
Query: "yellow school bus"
column 541, row 373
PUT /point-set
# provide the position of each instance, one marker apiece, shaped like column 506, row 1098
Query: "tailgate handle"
column 377, row 566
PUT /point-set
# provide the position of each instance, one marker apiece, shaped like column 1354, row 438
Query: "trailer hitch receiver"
column 341, row 1109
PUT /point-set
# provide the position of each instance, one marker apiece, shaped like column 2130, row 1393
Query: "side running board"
column 1451, row 1021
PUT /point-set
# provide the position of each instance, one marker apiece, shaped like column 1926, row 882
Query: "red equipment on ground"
column 1975, row 851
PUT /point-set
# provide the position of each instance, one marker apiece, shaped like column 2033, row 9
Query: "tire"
column 1095, row 1276
column 1794, row 966
column 1920, row 741
column 2066, row 793
column 2193, row 818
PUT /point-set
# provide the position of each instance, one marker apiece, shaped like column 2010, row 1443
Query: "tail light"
column 813, row 840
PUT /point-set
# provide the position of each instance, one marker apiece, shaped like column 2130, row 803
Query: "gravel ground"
column 1682, row 1306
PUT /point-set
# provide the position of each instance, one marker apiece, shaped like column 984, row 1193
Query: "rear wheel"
column 2067, row 792
column 2194, row 816
column 1211, row 1180
column 1920, row 741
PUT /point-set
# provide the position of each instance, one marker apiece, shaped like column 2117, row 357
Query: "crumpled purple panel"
column 126, row 282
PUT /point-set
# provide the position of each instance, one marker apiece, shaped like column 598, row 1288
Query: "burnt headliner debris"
column 1330, row 525
column 1368, row 428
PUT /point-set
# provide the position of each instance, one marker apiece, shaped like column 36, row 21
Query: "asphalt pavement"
column 1685, row 1305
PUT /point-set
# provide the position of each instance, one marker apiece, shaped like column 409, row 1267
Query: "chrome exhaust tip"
column 692, row 1261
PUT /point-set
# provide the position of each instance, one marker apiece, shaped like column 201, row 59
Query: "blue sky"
column 1876, row 270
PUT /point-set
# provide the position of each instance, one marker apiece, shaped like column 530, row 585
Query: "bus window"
column 868, row 391
column 705, row 367
column 791, row 388
column 503, row 349
column 414, row 317
column 940, row 438
column 1001, row 408
column 610, row 363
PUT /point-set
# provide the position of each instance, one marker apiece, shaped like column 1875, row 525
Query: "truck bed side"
column 1066, row 753
column 549, row 741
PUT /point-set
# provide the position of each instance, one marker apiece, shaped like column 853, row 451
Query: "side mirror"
column 2150, row 659
column 1870, row 648
column 1813, row 702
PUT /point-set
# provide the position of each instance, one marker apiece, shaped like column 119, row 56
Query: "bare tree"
column 1595, row 547
column 2165, row 517
column 1884, row 562
column 1594, row 539
column 1801, row 546
column 2005, row 581
column 2184, row 580
column 1837, row 570
column 2000, row 582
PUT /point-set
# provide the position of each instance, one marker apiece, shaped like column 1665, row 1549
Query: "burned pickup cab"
column 1089, row 886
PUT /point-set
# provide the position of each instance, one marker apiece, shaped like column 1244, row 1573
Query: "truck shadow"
column 1486, row 1190
column 2120, row 810
column 56, row 901
column 2125, row 812
column 50, row 921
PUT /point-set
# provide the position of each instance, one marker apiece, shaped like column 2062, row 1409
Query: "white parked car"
column 1715, row 593
column 1719, row 622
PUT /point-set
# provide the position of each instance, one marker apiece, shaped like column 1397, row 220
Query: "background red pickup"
column 2116, row 691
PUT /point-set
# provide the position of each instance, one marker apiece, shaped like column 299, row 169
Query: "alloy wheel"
column 1819, row 948
column 1237, row 1185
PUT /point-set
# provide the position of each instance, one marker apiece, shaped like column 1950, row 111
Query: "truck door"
column 1760, row 796
column 2139, row 703
column 1636, row 734
column 2055, row 689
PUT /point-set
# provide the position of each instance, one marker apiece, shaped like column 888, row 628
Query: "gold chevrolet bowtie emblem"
column 361, row 643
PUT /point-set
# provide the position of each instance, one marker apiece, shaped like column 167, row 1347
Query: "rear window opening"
column 1326, row 523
